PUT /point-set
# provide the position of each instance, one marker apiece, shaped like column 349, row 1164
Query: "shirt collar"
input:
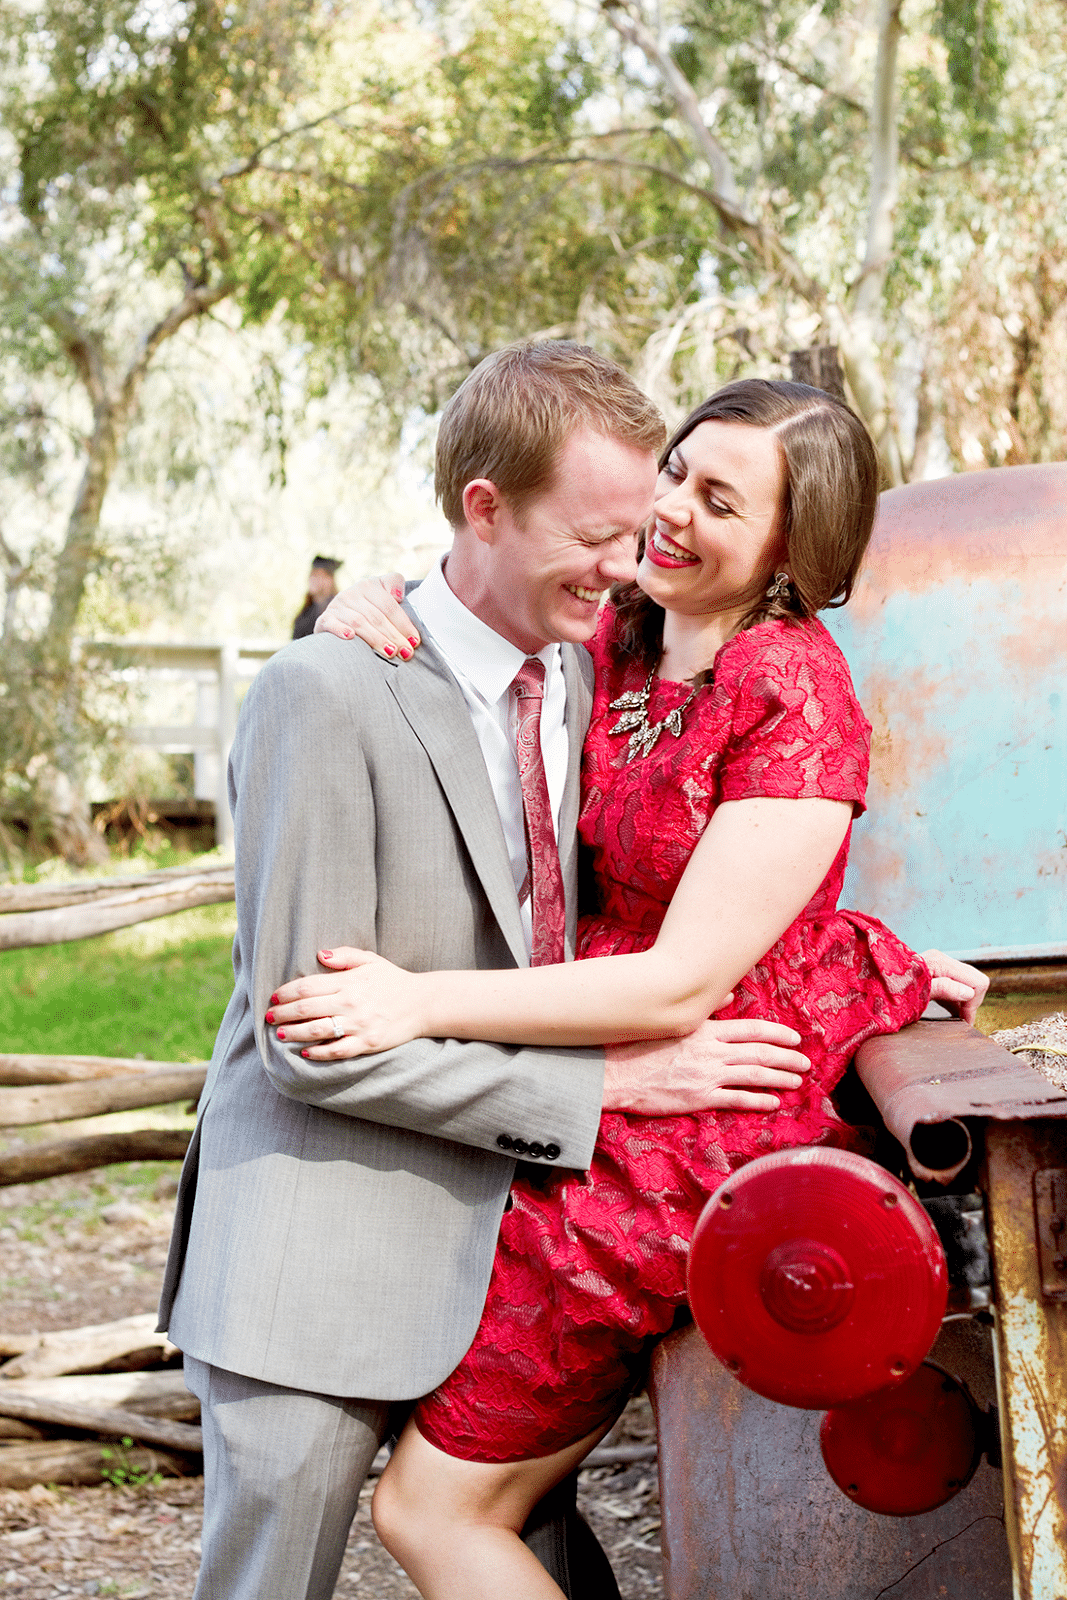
column 488, row 661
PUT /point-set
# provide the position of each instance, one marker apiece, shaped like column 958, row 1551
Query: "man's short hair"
column 511, row 418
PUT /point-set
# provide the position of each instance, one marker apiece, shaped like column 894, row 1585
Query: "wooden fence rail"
column 45, row 913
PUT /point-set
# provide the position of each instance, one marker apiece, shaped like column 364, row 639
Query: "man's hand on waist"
column 723, row 1066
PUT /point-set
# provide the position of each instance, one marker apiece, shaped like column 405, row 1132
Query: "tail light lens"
column 816, row 1278
column 906, row 1450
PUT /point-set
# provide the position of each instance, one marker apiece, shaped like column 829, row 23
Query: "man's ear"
column 482, row 507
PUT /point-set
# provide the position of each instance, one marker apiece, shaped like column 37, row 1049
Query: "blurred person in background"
column 322, row 586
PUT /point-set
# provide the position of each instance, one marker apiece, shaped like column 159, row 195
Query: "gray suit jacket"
column 337, row 1220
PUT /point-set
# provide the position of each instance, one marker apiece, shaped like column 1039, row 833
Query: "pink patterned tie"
column 542, row 854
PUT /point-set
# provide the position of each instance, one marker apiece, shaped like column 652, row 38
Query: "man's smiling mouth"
column 592, row 595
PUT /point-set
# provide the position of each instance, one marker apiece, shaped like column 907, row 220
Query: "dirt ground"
column 91, row 1248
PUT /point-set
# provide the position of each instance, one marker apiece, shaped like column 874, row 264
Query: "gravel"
column 90, row 1248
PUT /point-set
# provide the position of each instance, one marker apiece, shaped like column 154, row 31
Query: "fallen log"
column 49, row 1355
column 17, row 1071
column 64, row 1102
column 81, row 891
column 11, row 1428
column 80, row 1461
column 60, row 1156
column 113, row 1420
column 150, row 1394
column 123, row 906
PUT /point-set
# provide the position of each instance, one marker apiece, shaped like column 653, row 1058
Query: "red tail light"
column 907, row 1450
column 816, row 1277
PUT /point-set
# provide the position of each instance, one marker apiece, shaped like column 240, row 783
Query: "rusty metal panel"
column 932, row 1077
column 1031, row 1334
column 1050, row 1218
column 956, row 636
column 750, row 1512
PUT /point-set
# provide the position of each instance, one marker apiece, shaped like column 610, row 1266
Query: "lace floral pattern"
column 590, row 1267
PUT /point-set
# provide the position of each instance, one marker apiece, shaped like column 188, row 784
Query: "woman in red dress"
column 725, row 760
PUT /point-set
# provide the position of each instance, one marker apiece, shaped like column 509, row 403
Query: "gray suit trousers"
column 282, row 1475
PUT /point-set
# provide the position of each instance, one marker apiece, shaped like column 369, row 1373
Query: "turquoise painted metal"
column 957, row 639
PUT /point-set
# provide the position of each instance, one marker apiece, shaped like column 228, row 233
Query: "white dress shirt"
column 484, row 665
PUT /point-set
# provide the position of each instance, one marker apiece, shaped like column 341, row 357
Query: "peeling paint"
column 1031, row 1342
column 955, row 636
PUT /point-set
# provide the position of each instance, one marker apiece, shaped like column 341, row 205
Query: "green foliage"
column 122, row 1472
column 105, row 997
column 976, row 59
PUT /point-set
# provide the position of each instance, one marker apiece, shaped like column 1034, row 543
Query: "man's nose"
column 618, row 562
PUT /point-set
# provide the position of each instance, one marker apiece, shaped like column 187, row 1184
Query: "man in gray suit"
column 337, row 1219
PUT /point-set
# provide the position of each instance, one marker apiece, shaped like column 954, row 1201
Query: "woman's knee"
column 395, row 1519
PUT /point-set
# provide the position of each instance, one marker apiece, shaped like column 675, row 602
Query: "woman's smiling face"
column 716, row 535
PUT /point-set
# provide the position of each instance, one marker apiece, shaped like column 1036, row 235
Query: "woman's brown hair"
column 829, row 501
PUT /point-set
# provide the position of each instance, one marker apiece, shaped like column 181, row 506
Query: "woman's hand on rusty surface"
column 370, row 610
column 956, row 985
column 371, row 1000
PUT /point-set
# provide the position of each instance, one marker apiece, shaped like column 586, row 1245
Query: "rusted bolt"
column 889, row 1201
column 1056, row 1225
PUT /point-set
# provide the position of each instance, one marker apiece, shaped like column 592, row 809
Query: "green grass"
column 139, row 992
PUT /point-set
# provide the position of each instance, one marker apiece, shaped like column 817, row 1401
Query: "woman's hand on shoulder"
column 955, row 985
column 370, row 610
column 364, row 1005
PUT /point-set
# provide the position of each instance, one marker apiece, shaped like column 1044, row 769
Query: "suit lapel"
column 433, row 705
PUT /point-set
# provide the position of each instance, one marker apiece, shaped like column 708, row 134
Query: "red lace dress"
column 590, row 1267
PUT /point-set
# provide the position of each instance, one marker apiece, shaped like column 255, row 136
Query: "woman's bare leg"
column 454, row 1525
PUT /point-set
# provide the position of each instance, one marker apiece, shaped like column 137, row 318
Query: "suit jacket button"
column 519, row 1146
column 537, row 1150
column 503, row 1141
column 551, row 1152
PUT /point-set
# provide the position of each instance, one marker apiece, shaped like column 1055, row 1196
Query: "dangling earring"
column 779, row 589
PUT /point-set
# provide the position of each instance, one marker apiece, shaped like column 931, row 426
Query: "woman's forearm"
column 751, row 874
column 609, row 1001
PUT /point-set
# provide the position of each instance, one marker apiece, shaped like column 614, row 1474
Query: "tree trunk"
column 819, row 367
column 859, row 342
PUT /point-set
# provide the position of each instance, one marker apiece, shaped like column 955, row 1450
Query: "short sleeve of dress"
column 797, row 731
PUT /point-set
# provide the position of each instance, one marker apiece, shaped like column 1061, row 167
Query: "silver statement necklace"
column 644, row 734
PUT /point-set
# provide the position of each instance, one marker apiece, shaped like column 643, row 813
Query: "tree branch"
column 627, row 22
column 867, row 291
column 243, row 168
column 83, row 350
column 194, row 303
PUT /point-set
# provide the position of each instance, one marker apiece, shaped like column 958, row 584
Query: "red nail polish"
column 270, row 1018
column 305, row 1052
column 389, row 651
column 274, row 1000
column 349, row 634
column 328, row 954
column 413, row 642
column 406, row 654
column 281, row 1033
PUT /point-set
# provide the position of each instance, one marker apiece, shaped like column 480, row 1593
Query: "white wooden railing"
column 218, row 670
